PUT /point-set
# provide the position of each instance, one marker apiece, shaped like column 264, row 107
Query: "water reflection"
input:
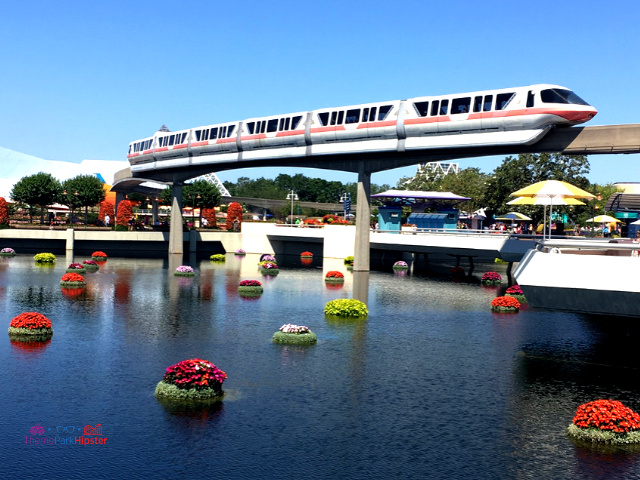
column 192, row 414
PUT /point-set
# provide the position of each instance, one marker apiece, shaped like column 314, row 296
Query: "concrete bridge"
column 606, row 139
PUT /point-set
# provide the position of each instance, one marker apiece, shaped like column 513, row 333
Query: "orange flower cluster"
column 505, row 302
column 306, row 254
column 334, row 274
column 72, row 277
column 99, row 254
column 30, row 320
column 607, row 415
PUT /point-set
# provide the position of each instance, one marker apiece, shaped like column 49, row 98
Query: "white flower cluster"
column 290, row 328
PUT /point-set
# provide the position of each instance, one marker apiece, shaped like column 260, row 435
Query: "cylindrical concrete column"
column 363, row 217
column 154, row 209
column 119, row 197
column 175, row 229
column 70, row 239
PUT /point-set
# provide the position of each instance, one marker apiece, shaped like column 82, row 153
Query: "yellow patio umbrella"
column 603, row 219
column 545, row 201
column 554, row 190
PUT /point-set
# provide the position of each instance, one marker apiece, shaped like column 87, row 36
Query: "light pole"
column 292, row 196
column 345, row 199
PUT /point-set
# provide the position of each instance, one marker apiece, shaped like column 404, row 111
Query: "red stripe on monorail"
column 133, row 155
column 328, row 129
column 183, row 145
column 162, row 149
column 377, row 124
column 253, row 137
column 199, row 144
column 147, row 152
column 415, row 121
column 288, row 134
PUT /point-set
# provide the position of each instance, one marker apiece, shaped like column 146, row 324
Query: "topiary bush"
column 218, row 257
column 125, row 213
column 505, row 305
column 334, row 277
column 294, row 335
column 7, row 252
column 250, row 288
column 234, row 212
column 192, row 379
column 45, row 258
column 491, row 279
column 184, row 271
column 348, row 260
column 346, row 307
column 72, row 280
column 4, row 213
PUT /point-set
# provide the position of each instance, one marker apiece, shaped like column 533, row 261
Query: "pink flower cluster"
column 491, row 276
column 515, row 290
column 290, row 328
column 250, row 283
column 184, row 269
column 195, row 373
column 269, row 265
column 75, row 266
column 90, row 262
column 401, row 263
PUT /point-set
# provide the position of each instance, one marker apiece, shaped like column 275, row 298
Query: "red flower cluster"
column 491, row 276
column 89, row 262
column 195, row 373
column 334, row 274
column 30, row 320
column 72, row 277
column 75, row 266
column 99, row 254
column 506, row 302
column 306, row 254
column 312, row 221
column 607, row 415
column 330, row 218
column 250, row 283
column 457, row 270
column 515, row 290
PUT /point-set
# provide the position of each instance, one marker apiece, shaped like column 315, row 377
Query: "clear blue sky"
column 80, row 80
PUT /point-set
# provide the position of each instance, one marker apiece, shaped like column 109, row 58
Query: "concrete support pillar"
column 193, row 241
column 154, row 209
column 363, row 216
column 175, row 229
column 70, row 239
column 119, row 197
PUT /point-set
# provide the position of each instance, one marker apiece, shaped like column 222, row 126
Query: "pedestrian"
column 106, row 220
column 605, row 231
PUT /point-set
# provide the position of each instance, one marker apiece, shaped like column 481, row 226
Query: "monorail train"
column 512, row 116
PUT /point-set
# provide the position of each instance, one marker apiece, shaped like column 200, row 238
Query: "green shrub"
column 218, row 257
column 121, row 228
column 294, row 338
column 251, row 291
column 45, row 258
column 349, row 260
column 595, row 435
column 499, row 260
column 346, row 307
column 168, row 390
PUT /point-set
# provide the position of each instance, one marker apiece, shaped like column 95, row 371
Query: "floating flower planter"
column 99, row 256
column 73, row 292
column 30, row 326
column 306, row 255
column 193, row 379
column 516, row 292
column 240, row 252
column 294, row 335
column 334, row 277
column 491, row 279
column 91, row 265
column 505, row 305
column 72, row 280
column 250, row 288
column 348, row 261
column 400, row 265
column 218, row 257
column 184, row 271
column 45, row 258
column 268, row 268
column 267, row 258
column 346, row 307
column 76, row 268
column 7, row 252
column 605, row 422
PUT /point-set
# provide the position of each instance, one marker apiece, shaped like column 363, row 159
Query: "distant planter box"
column 294, row 338
column 250, row 291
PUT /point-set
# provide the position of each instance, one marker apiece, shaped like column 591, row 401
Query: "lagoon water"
column 430, row 385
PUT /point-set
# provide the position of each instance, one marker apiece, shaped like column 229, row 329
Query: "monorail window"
column 272, row 125
column 263, row 125
column 444, row 106
column 286, row 123
column 530, row 99
column 353, row 116
column 422, row 108
column 383, row 112
column 223, row 132
column 503, row 99
column 477, row 104
column 281, row 125
column 184, row 137
column 435, row 107
column 250, row 127
column 295, row 122
column 558, row 95
column 460, row 105
column 334, row 116
column 488, row 101
column 340, row 118
column 324, row 118
column 213, row 134
column 230, row 130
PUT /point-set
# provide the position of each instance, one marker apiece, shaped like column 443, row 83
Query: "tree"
column 201, row 194
column 234, row 212
column 4, row 213
column 38, row 190
column 125, row 213
column 82, row 191
column 210, row 215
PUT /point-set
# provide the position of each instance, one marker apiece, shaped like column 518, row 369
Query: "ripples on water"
column 431, row 385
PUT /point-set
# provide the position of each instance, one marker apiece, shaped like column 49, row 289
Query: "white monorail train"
column 512, row 116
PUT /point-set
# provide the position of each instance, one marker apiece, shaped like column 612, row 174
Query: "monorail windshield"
column 557, row 95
